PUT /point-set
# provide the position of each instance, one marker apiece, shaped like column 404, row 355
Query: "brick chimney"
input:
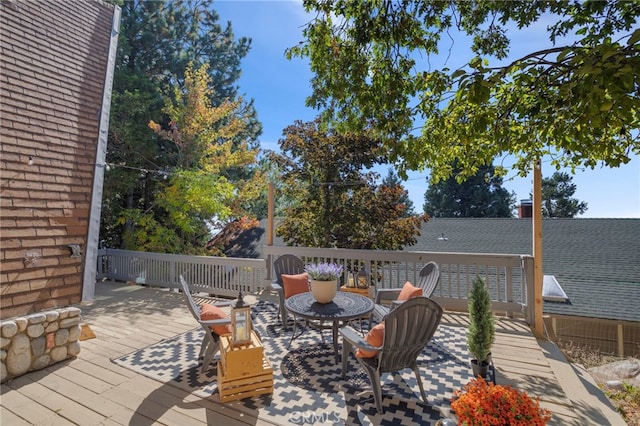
column 525, row 209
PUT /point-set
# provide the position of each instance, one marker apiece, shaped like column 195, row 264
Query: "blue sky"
column 280, row 87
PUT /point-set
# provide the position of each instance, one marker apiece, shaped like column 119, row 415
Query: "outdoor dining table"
column 344, row 307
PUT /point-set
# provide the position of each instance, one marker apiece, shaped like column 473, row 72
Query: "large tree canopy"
column 333, row 203
column 577, row 100
column 157, row 41
column 197, row 191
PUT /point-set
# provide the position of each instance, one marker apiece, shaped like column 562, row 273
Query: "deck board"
column 82, row 394
column 68, row 407
column 16, row 404
column 90, row 389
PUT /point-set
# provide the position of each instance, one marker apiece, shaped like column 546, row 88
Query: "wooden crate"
column 366, row 292
column 231, row 389
column 241, row 361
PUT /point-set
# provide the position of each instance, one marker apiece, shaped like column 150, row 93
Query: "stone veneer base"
column 36, row 341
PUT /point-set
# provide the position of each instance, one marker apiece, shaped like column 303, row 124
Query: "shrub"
column 481, row 322
column 486, row 404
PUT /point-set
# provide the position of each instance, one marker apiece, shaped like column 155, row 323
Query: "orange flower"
column 485, row 404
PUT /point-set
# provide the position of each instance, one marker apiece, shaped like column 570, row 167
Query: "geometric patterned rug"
column 308, row 388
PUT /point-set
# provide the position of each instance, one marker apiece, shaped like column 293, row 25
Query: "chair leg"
column 346, row 349
column 204, row 345
column 283, row 314
column 419, row 380
column 374, row 378
column 212, row 349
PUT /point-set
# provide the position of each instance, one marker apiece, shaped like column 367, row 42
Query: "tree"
column 576, row 101
column 198, row 190
column 392, row 180
column 156, row 42
column 482, row 329
column 481, row 195
column 556, row 197
column 333, row 203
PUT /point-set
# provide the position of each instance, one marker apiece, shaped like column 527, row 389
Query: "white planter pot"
column 323, row 291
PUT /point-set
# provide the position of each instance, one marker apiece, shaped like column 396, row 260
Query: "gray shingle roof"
column 596, row 261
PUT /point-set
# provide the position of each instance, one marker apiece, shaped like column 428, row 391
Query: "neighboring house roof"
column 596, row 261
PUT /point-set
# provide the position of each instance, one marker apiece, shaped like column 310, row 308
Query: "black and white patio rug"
column 308, row 388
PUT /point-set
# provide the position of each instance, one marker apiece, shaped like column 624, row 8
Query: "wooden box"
column 231, row 389
column 241, row 361
column 366, row 292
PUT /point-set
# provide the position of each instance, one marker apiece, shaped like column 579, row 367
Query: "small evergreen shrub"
column 481, row 333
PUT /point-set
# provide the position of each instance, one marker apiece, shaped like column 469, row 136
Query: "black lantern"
column 362, row 279
column 240, row 322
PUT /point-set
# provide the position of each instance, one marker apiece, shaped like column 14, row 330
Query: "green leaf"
column 458, row 73
column 606, row 106
column 635, row 37
column 563, row 54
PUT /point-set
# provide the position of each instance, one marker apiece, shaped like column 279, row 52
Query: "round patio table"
column 344, row 307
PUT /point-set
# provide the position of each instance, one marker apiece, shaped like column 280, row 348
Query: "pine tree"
column 481, row 195
column 557, row 201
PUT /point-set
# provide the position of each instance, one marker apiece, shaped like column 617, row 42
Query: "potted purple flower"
column 323, row 280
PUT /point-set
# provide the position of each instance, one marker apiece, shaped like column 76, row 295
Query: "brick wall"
column 53, row 61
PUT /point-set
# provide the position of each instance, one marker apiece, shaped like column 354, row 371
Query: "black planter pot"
column 483, row 369
column 480, row 368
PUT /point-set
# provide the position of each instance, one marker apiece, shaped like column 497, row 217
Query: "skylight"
column 551, row 290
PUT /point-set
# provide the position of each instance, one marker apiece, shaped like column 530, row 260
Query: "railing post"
column 620, row 340
column 536, row 301
column 528, row 275
column 172, row 272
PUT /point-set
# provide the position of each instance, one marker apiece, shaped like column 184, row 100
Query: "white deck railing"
column 509, row 277
column 223, row 276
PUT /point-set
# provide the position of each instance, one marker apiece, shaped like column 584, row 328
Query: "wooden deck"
column 91, row 390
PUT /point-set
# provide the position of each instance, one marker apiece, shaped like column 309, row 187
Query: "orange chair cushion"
column 294, row 284
column 210, row 312
column 374, row 337
column 409, row 291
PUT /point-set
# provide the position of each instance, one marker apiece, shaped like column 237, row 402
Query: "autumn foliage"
column 484, row 404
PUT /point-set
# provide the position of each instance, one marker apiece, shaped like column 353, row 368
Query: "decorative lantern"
column 240, row 322
column 351, row 282
column 362, row 279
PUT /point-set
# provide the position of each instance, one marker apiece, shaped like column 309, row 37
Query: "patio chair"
column 211, row 340
column 287, row 264
column 386, row 298
column 407, row 330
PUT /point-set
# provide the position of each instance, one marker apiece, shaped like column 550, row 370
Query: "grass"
column 626, row 399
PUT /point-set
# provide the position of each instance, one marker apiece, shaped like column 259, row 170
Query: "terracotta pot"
column 323, row 291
